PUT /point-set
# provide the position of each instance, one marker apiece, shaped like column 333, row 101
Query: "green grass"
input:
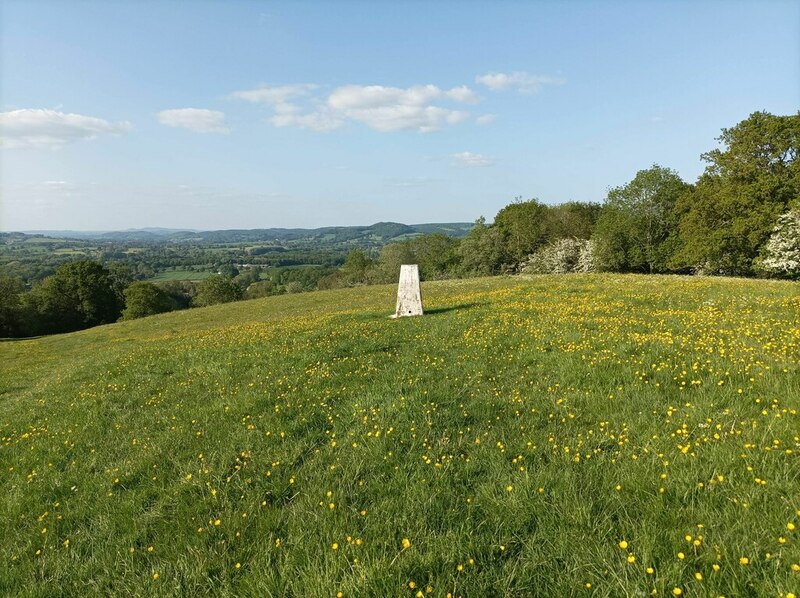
column 514, row 435
column 180, row 275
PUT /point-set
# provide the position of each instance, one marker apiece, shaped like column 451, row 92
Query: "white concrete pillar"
column 409, row 296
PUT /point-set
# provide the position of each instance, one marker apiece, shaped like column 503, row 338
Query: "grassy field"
column 179, row 275
column 551, row 436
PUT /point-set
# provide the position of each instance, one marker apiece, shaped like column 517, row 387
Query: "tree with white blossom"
column 563, row 256
column 781, row 253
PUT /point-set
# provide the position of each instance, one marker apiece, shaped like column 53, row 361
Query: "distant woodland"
column 741, row 217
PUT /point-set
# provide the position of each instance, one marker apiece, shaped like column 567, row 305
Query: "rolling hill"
column 382, row 232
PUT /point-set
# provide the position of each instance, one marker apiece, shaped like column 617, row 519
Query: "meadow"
column 598, row 435
column 180, row 275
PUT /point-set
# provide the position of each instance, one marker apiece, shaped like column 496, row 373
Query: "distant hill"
column 131, row 234
column 378, row 233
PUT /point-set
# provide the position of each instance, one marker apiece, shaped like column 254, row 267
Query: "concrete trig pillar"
column 409, row 296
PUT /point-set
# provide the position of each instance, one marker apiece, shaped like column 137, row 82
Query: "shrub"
column 145, row 299
column 561, row 257
column 217, row 289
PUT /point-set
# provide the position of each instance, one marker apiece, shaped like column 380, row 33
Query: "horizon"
column 247, row 115
column 198, row 230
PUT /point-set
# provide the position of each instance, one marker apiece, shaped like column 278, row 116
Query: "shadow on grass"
column 428, row 312
column 443, row 310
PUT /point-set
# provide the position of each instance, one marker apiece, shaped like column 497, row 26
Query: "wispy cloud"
column 519, row 80
column 472, row 160
column 52, row 184
column 198, row 120
column 320, row 120
column 485, row 119
column 274, row 94
column 43, row 128
column 389, row 109
column 351, row 97
column 422, row 108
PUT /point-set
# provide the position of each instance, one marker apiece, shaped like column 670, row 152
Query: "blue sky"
column 255, row 114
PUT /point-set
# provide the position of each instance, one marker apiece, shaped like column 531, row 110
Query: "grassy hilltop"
column 553, row 436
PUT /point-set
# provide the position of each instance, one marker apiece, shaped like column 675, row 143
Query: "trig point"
column 409, row 297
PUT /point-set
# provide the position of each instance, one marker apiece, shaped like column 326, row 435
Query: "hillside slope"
column 545, row 436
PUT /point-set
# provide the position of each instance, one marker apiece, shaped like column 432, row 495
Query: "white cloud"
column 274, row 95
column 365, row 97
column 355, row 97
column 198, row 120
column 380, row 107
column 397, row 117
column 388, row 109
column 471, row 160
column 322, row 120
column 519, row 80
column 462, row 94
column 486, row 119
column 42, row 128
column 287, row 108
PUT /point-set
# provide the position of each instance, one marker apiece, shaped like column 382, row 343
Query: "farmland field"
column 180, row 275
column 554, row 436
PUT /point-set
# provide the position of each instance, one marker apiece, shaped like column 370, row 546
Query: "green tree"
column 227, row 269
column 248, row 277
column 79, row 295
column 637, row 229
column 571, row 220
column 145, row 299
column 144, row 270
column 392, row 257
column 10, row 306
column 436, row 254
column 294, row 286
column 180, row 292
column 217, row 289
column 260, row 289
column 356, row 267
column 523, row 228
column 481, row 252
column 748, row 183
column 121, row 276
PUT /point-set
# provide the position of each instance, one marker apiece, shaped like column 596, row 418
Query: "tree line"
column 85, row 293
column 741, row 217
